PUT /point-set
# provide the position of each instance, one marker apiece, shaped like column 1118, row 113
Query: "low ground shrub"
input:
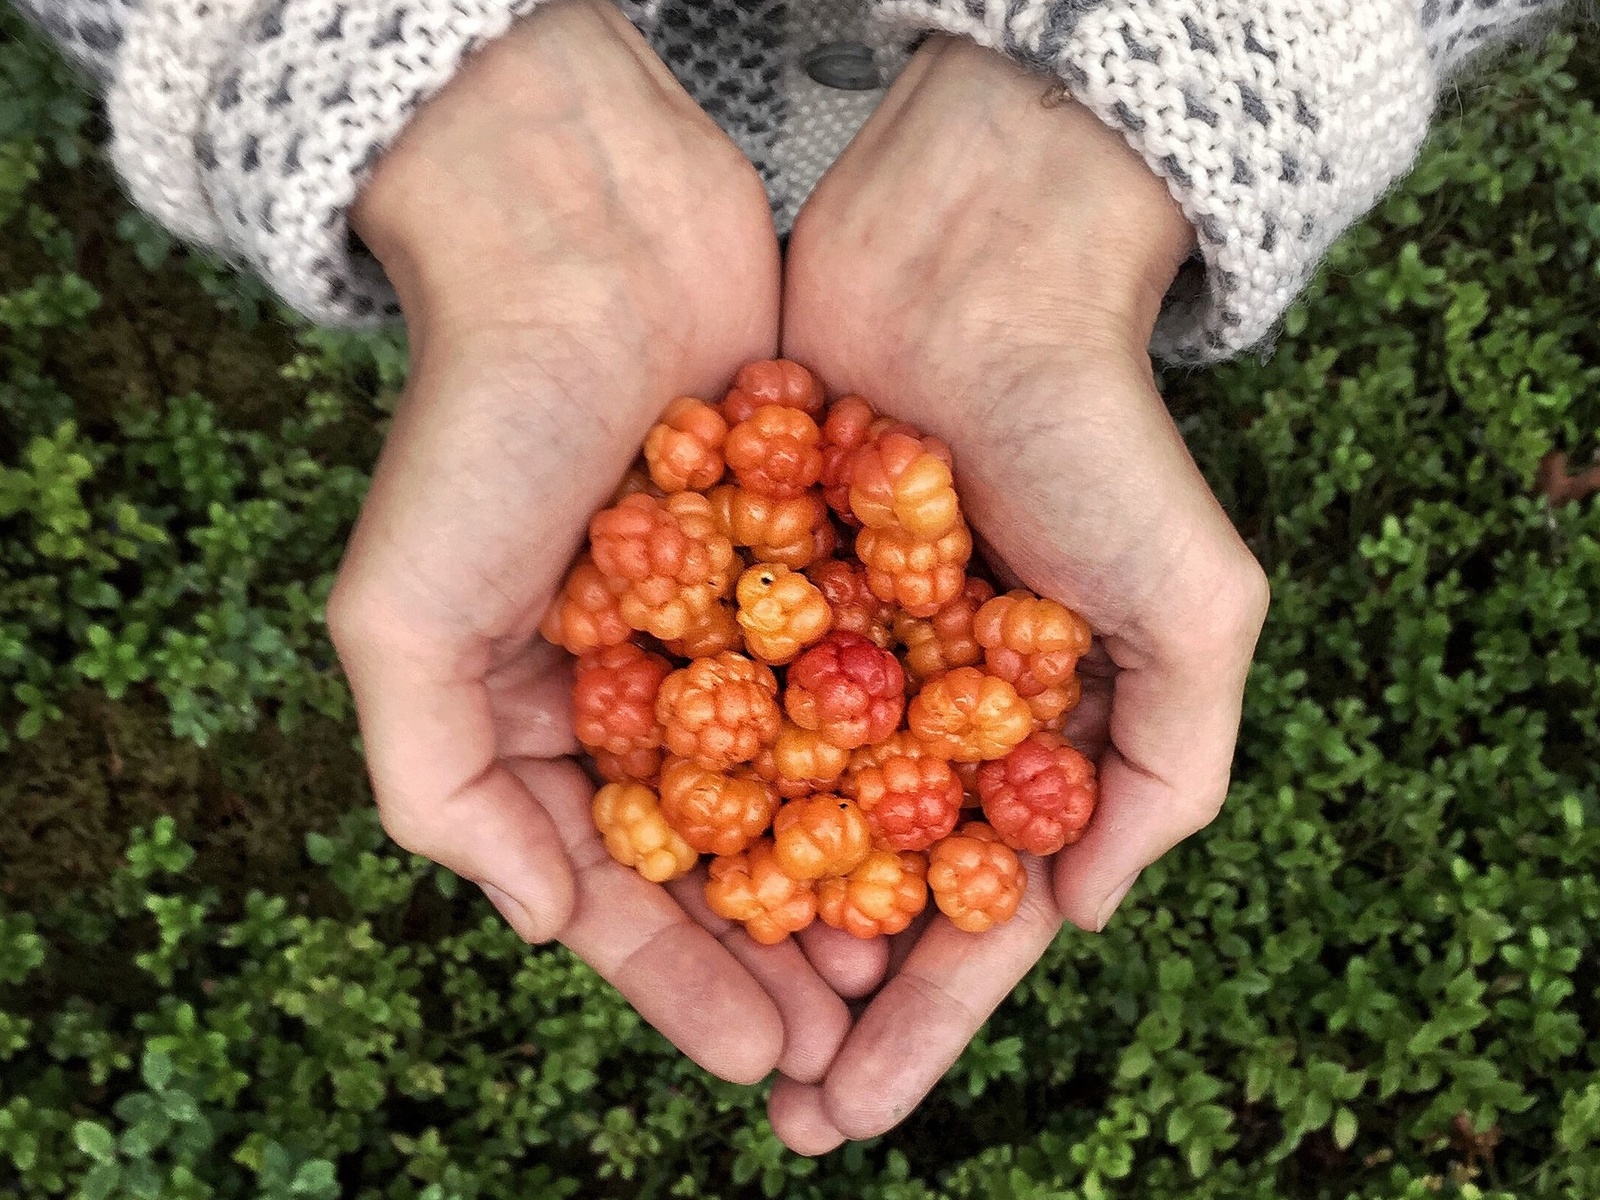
column 1375, row 977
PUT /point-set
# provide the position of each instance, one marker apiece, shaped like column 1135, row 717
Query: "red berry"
column 668, row 557
column 936, row 644
column 910, row 803
column 847, row 689
column 855, row 608
column 776, row 381
column 614, row 699
column 587, row 614
column 1040, row 796
column 843, row 433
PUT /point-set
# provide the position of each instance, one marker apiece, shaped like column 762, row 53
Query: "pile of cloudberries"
column 784, row 663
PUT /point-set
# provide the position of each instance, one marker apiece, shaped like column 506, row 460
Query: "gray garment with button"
column 248, row 126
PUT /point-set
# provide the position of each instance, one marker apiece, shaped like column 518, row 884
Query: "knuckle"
column 358, row 617
column 408, row 828
column 1201, row 807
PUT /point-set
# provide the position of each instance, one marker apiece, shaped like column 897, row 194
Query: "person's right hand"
column 574, row 243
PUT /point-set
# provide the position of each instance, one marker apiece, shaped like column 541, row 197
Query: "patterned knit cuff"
column 250, row 126
column 1275, row 123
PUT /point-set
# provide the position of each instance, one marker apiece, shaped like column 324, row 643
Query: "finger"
column 918, row 1025
column 1173, row 723
column 853, row 967
column 1088, row 725
column 902, row 944
column 678, row 977
column 800, row 1119
column 815, row 1019
column 531, row 698
column 430, row 740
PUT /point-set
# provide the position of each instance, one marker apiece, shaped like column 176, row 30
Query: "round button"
column 847, row 66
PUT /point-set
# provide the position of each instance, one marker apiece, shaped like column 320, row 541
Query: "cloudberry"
column 896, row 481
column 910, row 803
column 793, row 533
column 776, row 452
column 720, row 711
column 801, row 762
column 715, row 813
column 976, row 879
column 1050, row 705
column 1032, row 643
column 670, row 556
column 969, row 716
column 936, row 644
column 637, row 835
column 587, row 614
column 1039, row 797
column 820, row 835
column 780, row 612
column 881, row 896
column 902, row 743
column 843, row 433
column 753, row 889
column 614, row 699
column 920, row 576
column 684, row 448
column 717, row 630
column 855, row 608
column 776, row 381
column 636, row 766
column 847, row 689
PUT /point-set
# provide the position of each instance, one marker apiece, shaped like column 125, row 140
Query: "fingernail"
column 518, row 917
column 1109, row 907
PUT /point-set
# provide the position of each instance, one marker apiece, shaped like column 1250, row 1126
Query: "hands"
column 990, row 269
column 574, row 244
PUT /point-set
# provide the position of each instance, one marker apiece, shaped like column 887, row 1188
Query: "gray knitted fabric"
column 249, row 126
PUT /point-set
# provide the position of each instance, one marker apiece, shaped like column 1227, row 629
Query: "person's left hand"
column 990, row 268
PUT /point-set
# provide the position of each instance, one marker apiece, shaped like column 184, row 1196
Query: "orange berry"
column 637, row 835
column 793, row 533
column 801, row 762
column 671, row 560
column 820, row 835
column 720, row 711
column 636, row 766
column 715, row 813
column 780, row 612
column 843, row 433
column 1050, row 705
column 775, row 451
column 1032, row 643
column 753, row 889
column 968, row 716
column 847, row 689
column 896, row 481
column 855, row 608
column 901, row 743
column 881, row 896
column 776, row 381
column 586, row 615
column 936, row 644
column 976, row 879
column 1039, row 797
column 715, row 632
column 684, row 449
column 910, row 803
column 920, row 576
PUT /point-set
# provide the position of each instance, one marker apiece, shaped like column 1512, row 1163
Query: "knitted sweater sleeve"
column 249, row 126
column 1275, row 123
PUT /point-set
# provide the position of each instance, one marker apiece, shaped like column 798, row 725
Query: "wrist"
column 516, row 159
column 1113, row 220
